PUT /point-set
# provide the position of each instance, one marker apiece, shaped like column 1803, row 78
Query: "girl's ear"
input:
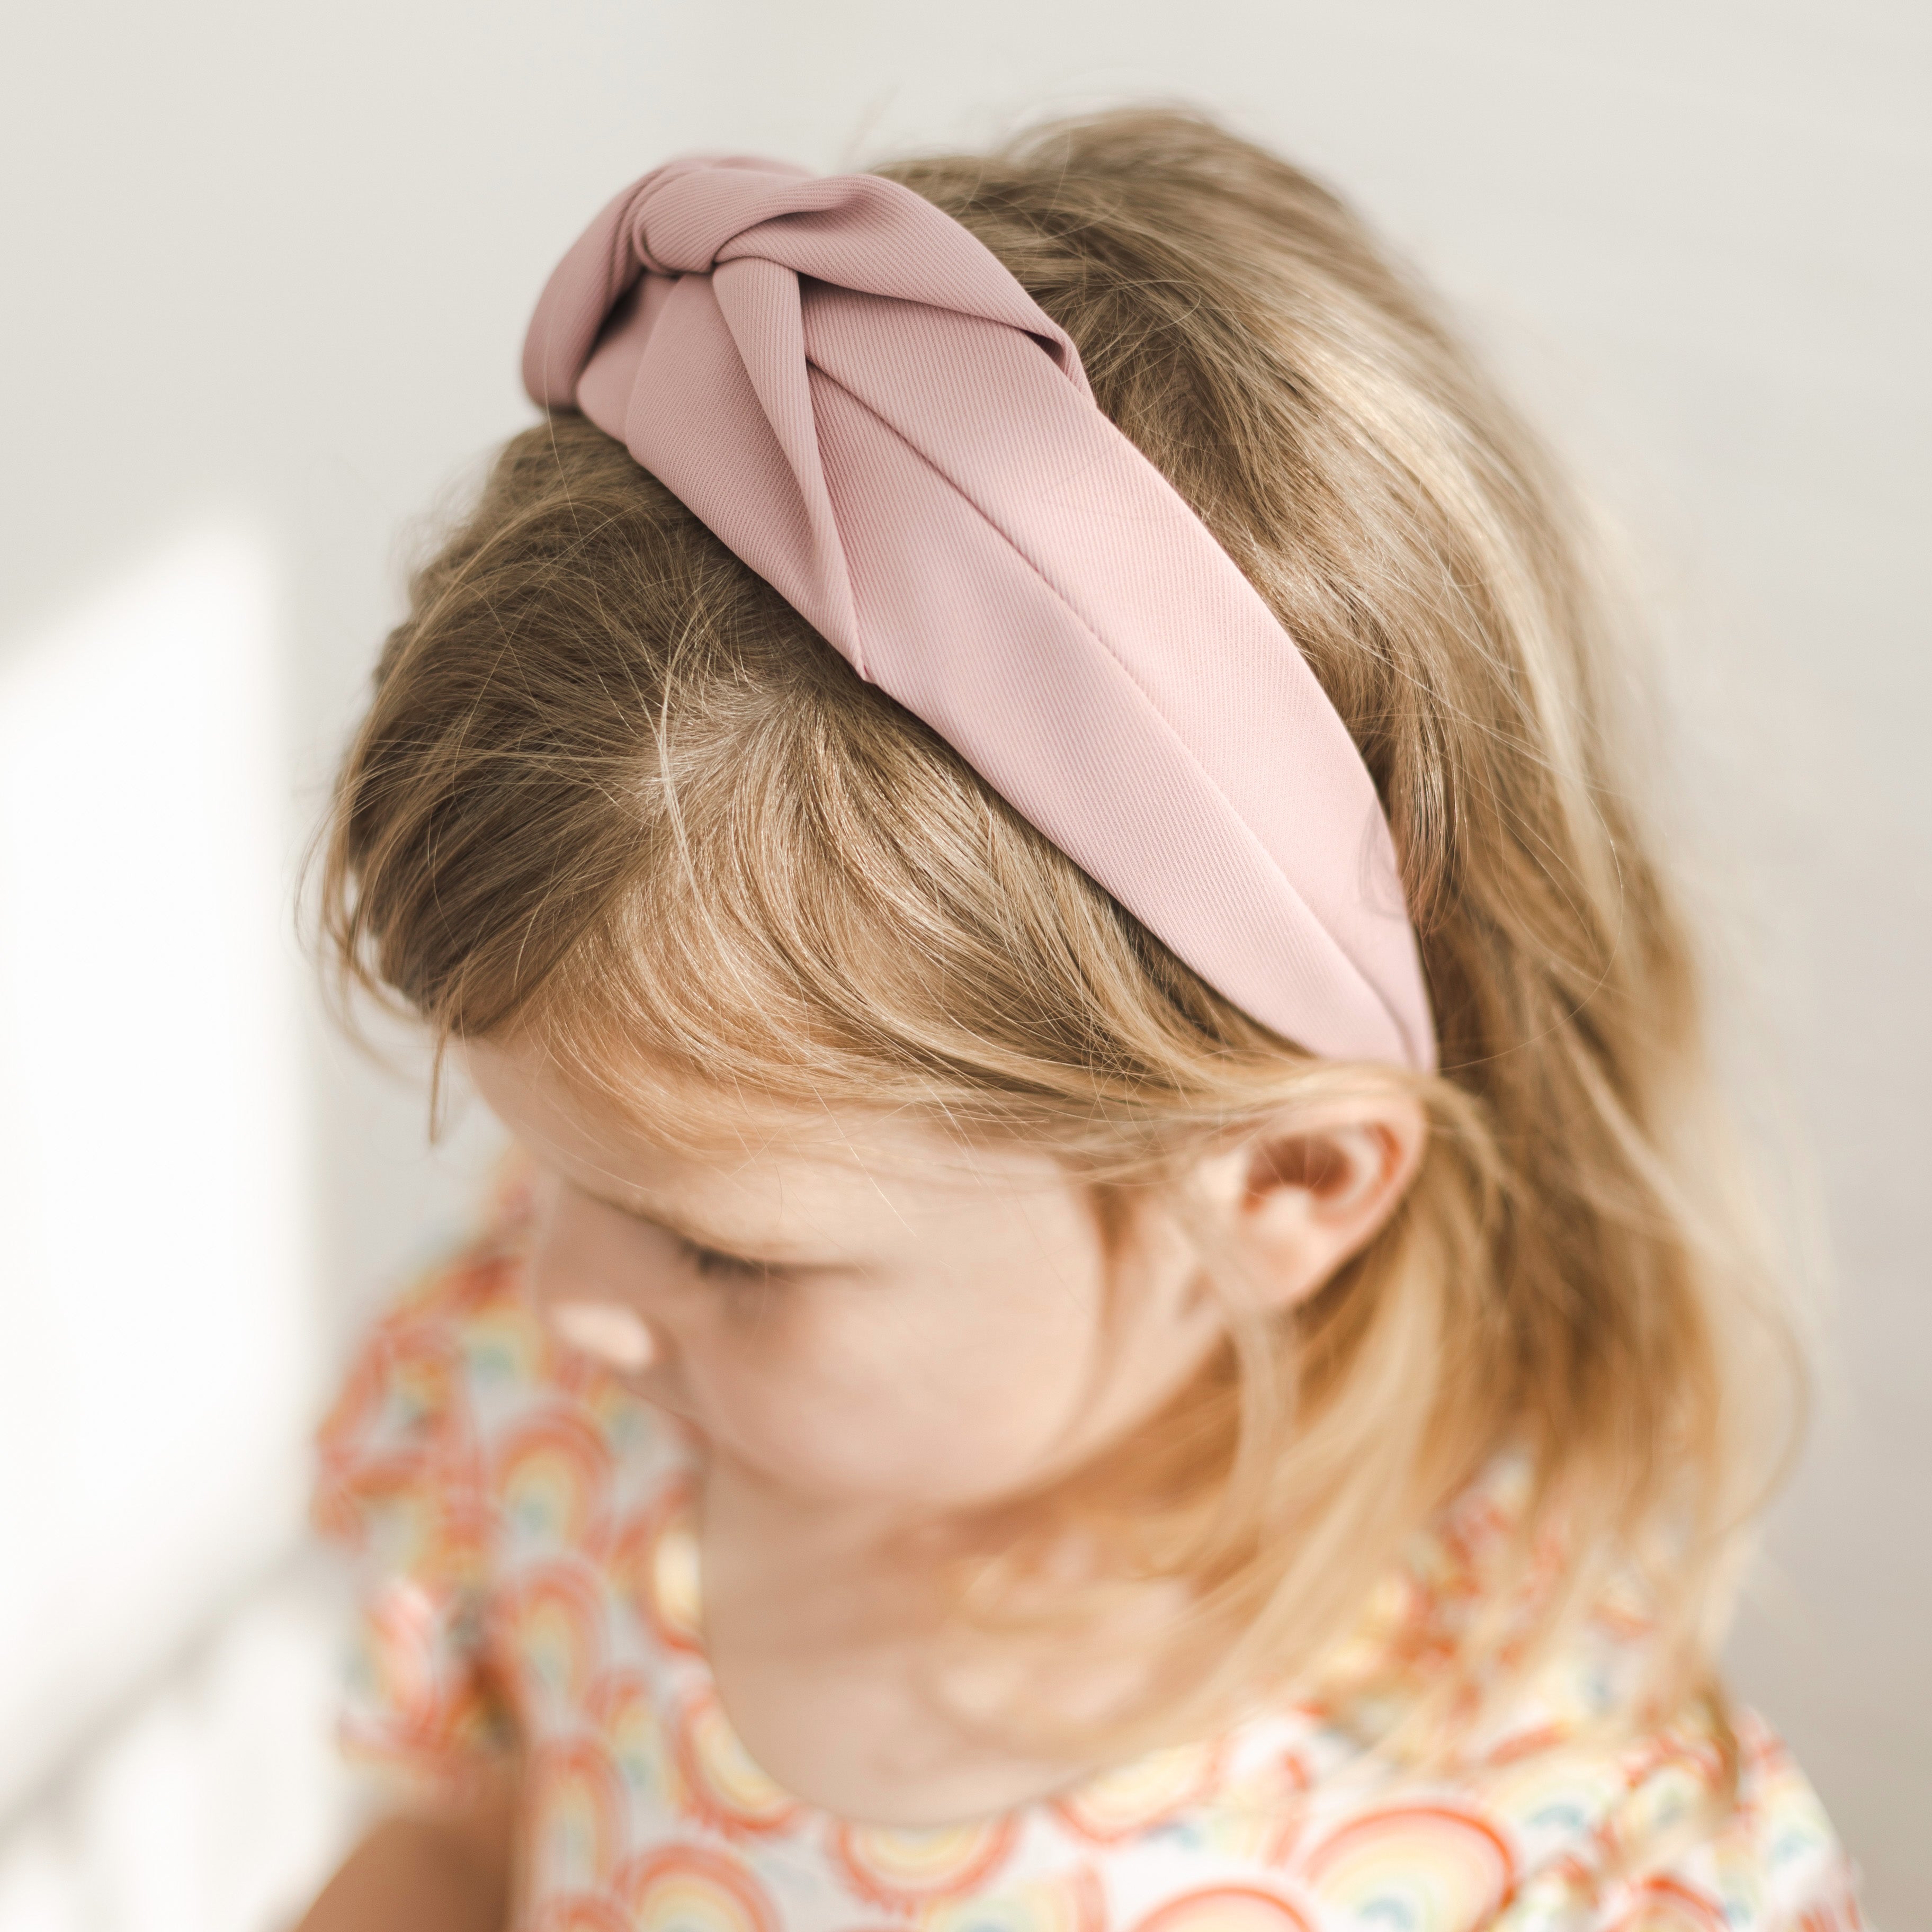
column 1297, row 1196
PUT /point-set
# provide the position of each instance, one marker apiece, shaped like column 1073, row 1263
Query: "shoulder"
column 1601, row 1817
column 1768, row 1859
column 406, row 1402
column 1696, row 1825
column 458, row 1403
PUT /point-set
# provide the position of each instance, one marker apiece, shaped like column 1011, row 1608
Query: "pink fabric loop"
column 859, row 399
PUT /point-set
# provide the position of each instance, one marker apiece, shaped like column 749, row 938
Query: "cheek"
column 951, row 1392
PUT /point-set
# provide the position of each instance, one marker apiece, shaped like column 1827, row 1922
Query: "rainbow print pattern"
column 531, row 1580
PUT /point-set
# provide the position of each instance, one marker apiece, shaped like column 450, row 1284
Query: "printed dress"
column 532, row 1572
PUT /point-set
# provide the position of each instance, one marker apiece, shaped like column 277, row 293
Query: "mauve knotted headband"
column 859, row 399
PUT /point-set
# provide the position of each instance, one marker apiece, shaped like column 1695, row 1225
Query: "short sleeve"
column 1773, row 1863
column 400, row 1485
column 1777, row 1865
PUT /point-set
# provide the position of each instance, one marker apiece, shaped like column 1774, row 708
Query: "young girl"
column 1119, row 1311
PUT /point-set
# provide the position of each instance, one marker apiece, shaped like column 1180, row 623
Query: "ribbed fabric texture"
column 860, row 400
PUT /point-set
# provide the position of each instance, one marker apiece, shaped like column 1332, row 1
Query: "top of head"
column 614, row 795
column 859, row 400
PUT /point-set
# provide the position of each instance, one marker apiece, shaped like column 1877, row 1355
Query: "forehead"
column 711, row 1159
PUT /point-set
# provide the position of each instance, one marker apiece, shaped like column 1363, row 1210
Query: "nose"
column 614, row 1334
column 574, row 1273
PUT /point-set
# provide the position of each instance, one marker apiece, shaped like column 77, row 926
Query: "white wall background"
column 157, row 1288
column 272, row 263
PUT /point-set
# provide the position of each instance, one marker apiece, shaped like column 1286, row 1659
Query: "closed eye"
column 713, row 1265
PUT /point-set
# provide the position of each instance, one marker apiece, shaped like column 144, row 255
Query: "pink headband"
column 859, row 400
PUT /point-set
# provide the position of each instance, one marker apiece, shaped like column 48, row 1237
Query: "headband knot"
column 857, row 397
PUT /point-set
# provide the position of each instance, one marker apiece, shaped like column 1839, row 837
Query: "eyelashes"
column 728, row 1270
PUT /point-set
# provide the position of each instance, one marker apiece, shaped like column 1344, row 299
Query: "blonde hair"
column 613, row 791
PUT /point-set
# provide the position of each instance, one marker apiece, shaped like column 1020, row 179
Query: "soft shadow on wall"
column 158, row 1378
